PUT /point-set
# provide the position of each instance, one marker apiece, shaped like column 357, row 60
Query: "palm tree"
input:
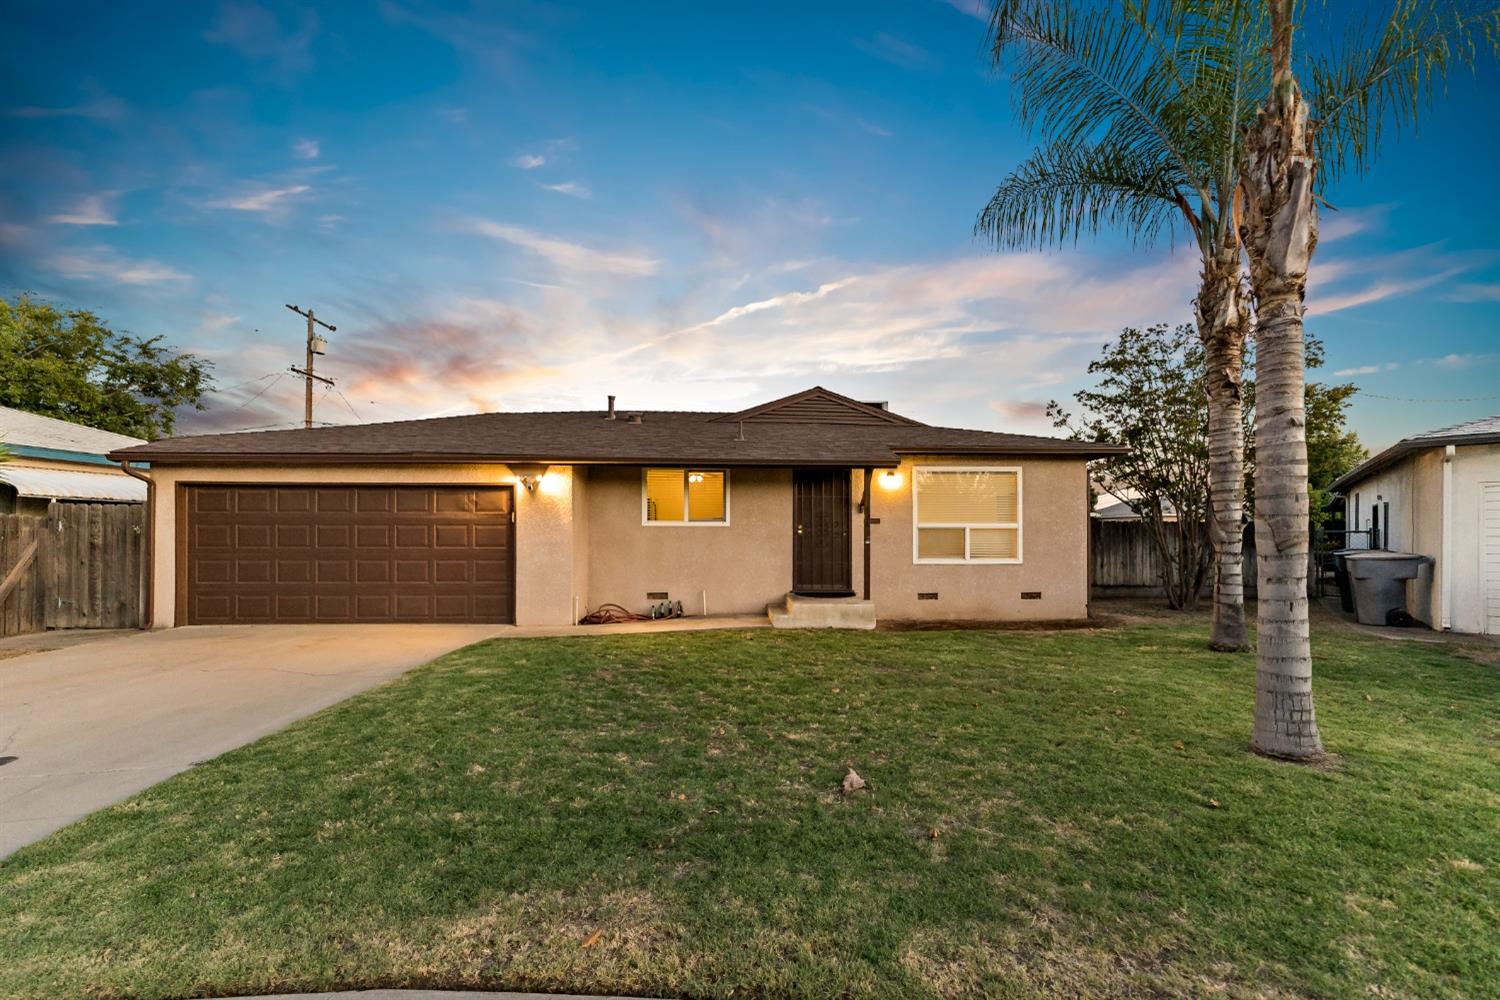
column 1353, row 92
column 1141, row 111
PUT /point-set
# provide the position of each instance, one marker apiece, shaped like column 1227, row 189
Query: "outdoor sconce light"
column 529, row 475
column 890, row 479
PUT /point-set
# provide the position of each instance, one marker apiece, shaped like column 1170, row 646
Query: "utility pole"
column 316, row 344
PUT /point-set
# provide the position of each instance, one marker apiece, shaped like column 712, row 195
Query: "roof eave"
column 408, row 458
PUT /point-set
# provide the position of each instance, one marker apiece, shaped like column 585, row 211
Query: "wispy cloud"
column 974, row 8
column 307, row 149
column 530, row 161
column 261, row 199
column 490, row 41
column 1475, row 292
column 90, row 210
column 257, row 34
column 100, row 108
column 897, row 51
column 573, row 189
column 103, row 265
column 845, row 119
column 563, row 255
column 1336, row 226
column 1348, row 282
column 1020, row 409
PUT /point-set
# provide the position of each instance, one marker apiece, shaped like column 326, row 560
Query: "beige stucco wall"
column 1054, row 551
column 580, row 542
column 737, row 568
column 545, row 561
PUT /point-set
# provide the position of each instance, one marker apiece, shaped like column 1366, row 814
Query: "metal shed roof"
column 65, row 484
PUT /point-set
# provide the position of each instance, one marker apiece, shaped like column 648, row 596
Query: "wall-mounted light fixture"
column 529, row 474
column 890, row 479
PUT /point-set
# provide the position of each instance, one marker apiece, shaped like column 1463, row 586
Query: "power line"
column 241, row 385
column 348, row 404
column 267, row 386
column 1405, row 399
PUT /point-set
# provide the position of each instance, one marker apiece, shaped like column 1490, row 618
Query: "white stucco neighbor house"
column 1438, row 494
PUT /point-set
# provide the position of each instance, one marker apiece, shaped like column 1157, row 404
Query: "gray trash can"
column 1379, row 580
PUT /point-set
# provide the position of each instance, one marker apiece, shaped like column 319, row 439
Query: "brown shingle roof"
column 587, row 437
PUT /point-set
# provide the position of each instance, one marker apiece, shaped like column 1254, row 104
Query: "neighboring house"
column 1438, row 494
column 51, row 459
column 1108, row 508
column 533, row 518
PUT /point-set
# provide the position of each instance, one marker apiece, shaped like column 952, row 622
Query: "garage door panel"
column 375, row 607
column 331, row 536
column 252, row 501
column 252, row 571
column 293, row 501
column 367, row 536
column 344, row 554
column 293, row 571
column 413, row 536
column 452, row 501
column 252, row 536
column 253, row 607
column 372, row 571
column 333, row 501
column 294, row 607
column 212, row 536
column 210, row 500
column 413, row 500
column 413, row 571
column 293, row 536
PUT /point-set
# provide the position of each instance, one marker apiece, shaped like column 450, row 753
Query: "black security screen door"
column 820, row 532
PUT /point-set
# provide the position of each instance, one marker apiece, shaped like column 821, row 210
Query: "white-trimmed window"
column 685, row 496
column 966, row 514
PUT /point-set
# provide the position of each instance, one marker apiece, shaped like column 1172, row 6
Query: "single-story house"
column 534, row 518
column 1108, row 508
column 50, row 459
column 1438, row 494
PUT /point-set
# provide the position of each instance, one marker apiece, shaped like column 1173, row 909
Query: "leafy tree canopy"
column 1151, row 396
column 69, row 364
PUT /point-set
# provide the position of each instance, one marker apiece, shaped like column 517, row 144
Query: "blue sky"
column 530, row 205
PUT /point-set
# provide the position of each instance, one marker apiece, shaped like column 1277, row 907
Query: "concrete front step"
column 822, row 612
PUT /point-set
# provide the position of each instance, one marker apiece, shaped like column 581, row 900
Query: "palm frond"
column 1392, row 77
column 1064, row 191
column 1159, row 78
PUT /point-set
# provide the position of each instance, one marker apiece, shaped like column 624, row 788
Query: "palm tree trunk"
column 1281, row 231
column 1223, row 322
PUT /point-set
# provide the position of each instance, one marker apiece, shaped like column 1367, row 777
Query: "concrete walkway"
column 91, row 723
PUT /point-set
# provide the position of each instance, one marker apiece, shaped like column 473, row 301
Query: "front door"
column 820, row 532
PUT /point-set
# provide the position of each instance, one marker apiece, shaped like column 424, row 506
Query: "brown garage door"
column 347, row 554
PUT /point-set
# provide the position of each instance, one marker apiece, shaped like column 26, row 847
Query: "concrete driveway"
column 92, row 724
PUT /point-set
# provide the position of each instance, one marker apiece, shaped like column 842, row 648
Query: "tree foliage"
column 1150, row 396
column 69, row 364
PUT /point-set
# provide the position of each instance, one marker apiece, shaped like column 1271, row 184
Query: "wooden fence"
column 81, row 565
column 1127, row 564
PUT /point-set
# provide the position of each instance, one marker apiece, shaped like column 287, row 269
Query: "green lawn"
column 1058, row 813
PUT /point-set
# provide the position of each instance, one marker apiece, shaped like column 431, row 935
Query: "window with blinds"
column 970, row 514
column 685, row 496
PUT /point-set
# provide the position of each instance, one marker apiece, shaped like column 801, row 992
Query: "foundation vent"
column 928, row 595
column 656, row 595
column 1031, row 595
